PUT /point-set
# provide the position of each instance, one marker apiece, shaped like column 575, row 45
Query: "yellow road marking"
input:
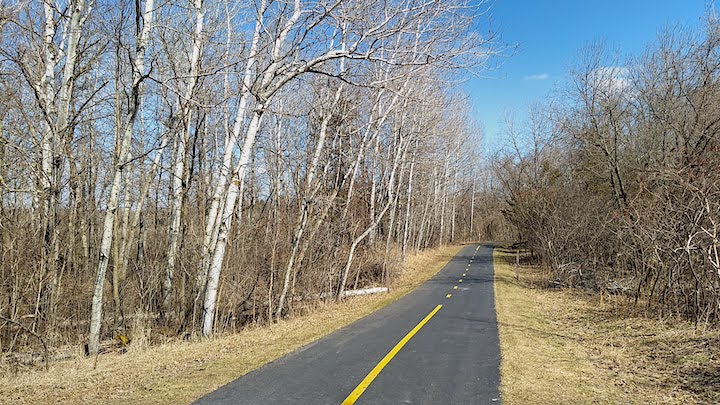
column 464, row 274
column 460, row 281
column 365, row 383
column 455, row 288
column 448, row 296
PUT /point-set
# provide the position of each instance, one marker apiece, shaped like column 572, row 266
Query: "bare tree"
column 144, row 22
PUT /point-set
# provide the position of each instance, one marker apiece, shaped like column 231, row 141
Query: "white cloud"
column 611, row 78
column 539, row 76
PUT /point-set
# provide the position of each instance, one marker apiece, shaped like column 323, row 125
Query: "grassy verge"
column 561, row 346
column 183, row 371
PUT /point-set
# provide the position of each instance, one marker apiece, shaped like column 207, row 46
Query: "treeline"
column 203, row 164
column 615, row 185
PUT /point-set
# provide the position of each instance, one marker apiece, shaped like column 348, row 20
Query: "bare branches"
column 627, row 193
column 302, row 134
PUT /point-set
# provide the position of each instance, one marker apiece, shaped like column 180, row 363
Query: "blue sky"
column 550, row 34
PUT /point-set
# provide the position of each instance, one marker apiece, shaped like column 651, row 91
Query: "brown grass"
column 181, row 372
column 564, row 346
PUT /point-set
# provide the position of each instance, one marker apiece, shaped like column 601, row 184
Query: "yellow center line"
column 455, row 288
column 448, row 296
column 464, row 274
column 365, row 383
column 460, row 281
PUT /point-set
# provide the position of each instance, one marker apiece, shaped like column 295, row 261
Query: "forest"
column 613, row 184
column 200, row 165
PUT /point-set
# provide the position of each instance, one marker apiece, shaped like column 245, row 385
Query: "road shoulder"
column 566, row 346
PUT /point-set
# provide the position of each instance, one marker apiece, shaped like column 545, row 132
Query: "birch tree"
column 259, row 150
column 144, row 25
column 185, row 100
column 276, row 75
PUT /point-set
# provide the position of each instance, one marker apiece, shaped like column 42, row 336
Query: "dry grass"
column 181, row 372
column 562, row 346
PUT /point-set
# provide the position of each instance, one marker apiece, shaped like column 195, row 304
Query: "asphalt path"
column 448, row 351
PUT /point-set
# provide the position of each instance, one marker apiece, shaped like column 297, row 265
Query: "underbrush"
column 180, row 370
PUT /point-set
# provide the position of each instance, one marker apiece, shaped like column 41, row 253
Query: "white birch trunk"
column 138, row 62
column 310, row 191
column 225, row 220
column 223, row 178
column 356, row 242
column 406, row 229
column 452, row 210
column 423, row 221
column 472, row 207
column 77, row 21
column 178, row 186
column 47, row 88
column 218, row 256
column 373, row 187
column 443, row 200
column 48, row 147
column 393, row 216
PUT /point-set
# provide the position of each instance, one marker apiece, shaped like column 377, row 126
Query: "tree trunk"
column 121, row 156
column 179, row 188
column 226, row 223
column 406, row 227
column 311, row 191
column 356, row 242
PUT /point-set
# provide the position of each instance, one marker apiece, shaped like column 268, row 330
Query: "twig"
column 40, row 338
